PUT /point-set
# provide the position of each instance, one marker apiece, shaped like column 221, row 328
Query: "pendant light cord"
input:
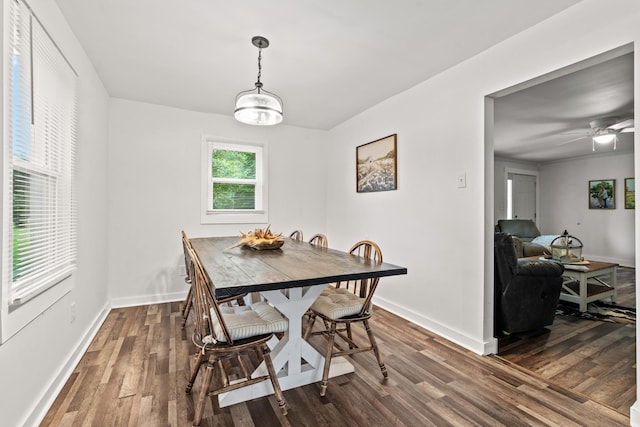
column 258, row 84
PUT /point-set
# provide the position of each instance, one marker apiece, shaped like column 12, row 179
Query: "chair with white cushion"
column 344, row 304
column 225, row 334
column 188, row 301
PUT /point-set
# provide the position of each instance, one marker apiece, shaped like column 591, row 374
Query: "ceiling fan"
column 605, row 130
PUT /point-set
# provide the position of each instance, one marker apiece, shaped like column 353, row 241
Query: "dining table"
column 290, row 278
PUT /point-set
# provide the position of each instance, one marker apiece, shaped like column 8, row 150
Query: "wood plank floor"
column 134, row 374
column 593, row 358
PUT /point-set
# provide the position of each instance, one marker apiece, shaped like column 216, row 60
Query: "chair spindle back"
column 296, row 235
column 364, row 288
column 206, row 303
column 319, row 240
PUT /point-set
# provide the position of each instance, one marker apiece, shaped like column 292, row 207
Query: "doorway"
column 517, row 195
column 522, row 194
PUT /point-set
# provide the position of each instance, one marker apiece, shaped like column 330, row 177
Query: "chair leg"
column 327, row 359
column 383, row 368
column 203, row 395
column 307, row 332
column 348, row 327
column 266, row 356
column 187, row 306
column 194, row 372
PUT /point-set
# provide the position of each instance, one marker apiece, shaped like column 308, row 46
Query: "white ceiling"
column 328, row 59
column 537, row 123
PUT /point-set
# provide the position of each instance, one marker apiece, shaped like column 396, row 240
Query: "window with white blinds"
column 40, row 234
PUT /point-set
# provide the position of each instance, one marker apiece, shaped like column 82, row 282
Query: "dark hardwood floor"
column 593, row 358
column 134, row 374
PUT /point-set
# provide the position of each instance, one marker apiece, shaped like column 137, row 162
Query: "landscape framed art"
column 602, row 194
column 629, row 193
column 377, row 165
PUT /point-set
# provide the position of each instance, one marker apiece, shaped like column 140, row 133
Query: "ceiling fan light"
column 604, row 138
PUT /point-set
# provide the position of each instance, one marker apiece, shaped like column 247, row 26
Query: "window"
column 234, row 184
column 510, row 198
column 39, row 238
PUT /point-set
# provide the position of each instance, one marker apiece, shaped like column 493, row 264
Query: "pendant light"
column 258, row 106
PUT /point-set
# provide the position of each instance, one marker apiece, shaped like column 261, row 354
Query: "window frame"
column 208, row 215
column 25, row 298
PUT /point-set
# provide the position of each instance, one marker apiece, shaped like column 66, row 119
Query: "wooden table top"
column 295, row 264
column 592, row 266
column 596, row 265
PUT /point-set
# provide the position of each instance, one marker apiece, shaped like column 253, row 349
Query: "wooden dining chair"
column 188, row 278
column 319, row 240
column 296, row 235
column 225, row 335
column 342, row 305
column 188, row 302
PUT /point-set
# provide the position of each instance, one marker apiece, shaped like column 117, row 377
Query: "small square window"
column 234, row 182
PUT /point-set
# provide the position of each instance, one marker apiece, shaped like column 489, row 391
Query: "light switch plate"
column 462, row 180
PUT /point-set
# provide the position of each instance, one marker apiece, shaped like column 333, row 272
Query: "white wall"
column 37, row 360
column 154, row 171
column 442, row 233
column 607, row 234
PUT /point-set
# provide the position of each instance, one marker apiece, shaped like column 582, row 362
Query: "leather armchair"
column 526, row 292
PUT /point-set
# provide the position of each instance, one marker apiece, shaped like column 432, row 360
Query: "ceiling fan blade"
column 573, row 140
column 621, row 125
column 625, row 130
column 584, row 132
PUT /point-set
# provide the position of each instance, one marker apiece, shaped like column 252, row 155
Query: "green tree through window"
column 234, row 174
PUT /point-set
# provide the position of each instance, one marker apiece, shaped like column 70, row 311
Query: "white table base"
column 295, row 360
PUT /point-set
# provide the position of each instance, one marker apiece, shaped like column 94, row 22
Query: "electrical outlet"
column 72, row 312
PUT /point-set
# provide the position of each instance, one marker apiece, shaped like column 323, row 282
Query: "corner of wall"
column 469, row 343
column 42, row 405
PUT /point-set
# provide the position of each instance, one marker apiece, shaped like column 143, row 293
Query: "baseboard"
column 53, row 389
column 147, row 299
column 479, row 347
column 635, row 414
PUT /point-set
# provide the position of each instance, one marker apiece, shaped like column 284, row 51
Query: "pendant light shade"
column 258, row 106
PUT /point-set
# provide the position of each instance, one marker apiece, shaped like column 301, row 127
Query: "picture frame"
column 377, row 165
column 602, row 194
column 629, row 193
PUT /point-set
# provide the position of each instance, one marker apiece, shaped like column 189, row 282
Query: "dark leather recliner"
column 526, row 292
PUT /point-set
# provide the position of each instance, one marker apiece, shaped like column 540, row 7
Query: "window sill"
column 234, row 217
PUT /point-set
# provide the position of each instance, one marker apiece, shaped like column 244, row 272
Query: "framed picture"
column 602, row 194
column 629, row 193
column 376, row 165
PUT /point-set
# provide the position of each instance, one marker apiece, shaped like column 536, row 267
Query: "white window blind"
column 41, row 239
